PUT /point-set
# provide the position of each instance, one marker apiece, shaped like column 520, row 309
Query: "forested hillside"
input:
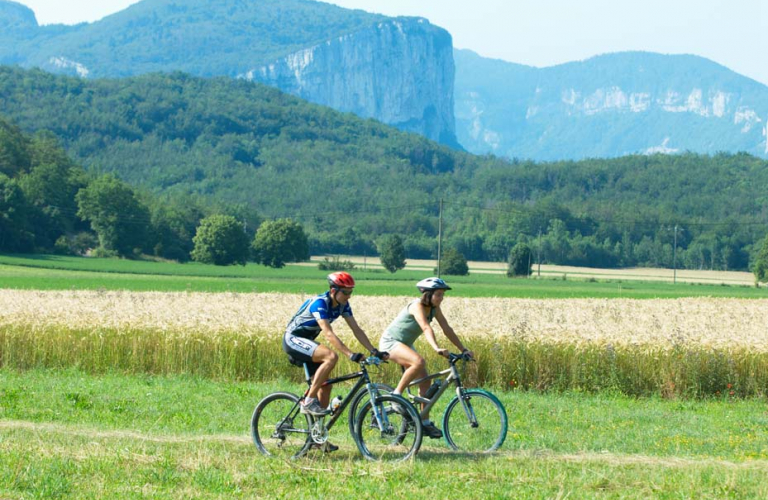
column 48, row 204
column 349, row 181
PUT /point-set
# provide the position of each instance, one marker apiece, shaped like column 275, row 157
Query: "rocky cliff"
column 399, row 71
column 608, row 106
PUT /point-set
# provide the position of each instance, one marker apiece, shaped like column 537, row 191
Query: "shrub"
column 280, row 241
column 392, row 252
column 220, row 240
column 453, row 263
column 335, row 264
column 519, row 260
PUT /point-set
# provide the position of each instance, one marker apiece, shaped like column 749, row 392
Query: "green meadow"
column 67, row 434
column 50, row 272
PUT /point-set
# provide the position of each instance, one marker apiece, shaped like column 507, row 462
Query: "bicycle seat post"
column 307, row 377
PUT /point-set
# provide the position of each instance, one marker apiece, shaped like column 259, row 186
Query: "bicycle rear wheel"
column 388, row 430
column 476, row 423
column 278, row 428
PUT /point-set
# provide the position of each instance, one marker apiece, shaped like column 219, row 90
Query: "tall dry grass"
column 675, row 347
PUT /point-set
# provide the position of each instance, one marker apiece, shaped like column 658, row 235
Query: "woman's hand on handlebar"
column 382, row 355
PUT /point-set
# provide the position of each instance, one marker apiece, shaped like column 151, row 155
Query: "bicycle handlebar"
column 372, row 361
column 464, row 356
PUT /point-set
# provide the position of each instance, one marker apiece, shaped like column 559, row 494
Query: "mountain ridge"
column 607, row 106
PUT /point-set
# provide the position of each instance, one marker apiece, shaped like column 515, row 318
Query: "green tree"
column 220, row 240
column 16, row 232
column 519, row 260
column 760, row 267
column 51, row 186
column 115, row 214
column 14, row 149
column 280, row 241
column 392, row 252
column 454, row 263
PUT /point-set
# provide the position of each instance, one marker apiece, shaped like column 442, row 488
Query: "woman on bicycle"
column 314, row 317
column 412, row 321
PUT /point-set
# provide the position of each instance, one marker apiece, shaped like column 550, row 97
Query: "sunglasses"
column 345, row 292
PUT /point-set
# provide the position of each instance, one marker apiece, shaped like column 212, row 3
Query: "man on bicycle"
column 314, row 317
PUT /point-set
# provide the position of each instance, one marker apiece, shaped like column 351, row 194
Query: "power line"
column 622, row 221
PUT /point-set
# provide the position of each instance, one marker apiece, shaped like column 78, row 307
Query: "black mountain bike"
column 474, row 420
column 392, row 431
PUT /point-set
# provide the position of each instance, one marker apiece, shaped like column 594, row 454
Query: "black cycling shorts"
column 300, row 351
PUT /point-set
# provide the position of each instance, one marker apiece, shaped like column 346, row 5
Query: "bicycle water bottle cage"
column 433, row 389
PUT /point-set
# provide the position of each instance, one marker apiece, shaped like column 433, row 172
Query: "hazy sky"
column 540, row 33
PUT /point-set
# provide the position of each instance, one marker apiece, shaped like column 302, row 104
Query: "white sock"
column 397, row 392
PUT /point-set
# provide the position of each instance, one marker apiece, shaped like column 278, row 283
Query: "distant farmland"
column 551, row 271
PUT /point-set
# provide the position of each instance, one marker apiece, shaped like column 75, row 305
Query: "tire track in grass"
column 89, row 432
column 606, row 457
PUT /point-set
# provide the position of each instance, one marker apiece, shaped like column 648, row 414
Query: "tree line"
column 50, row 204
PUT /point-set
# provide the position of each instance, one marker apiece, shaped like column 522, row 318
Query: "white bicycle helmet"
column 432, row 284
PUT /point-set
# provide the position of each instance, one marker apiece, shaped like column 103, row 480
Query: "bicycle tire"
column 278, row 428
column 401, row 439
column 491, row 417
column 355, row 404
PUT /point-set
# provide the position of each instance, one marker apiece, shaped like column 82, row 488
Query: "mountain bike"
column 394, row 432
column 474, row 420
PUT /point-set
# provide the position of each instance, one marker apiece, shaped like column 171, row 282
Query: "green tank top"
column 404, row 327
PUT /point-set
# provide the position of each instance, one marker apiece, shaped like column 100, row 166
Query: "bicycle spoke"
column 476, row 423
column 277, row 427
column 388, row 431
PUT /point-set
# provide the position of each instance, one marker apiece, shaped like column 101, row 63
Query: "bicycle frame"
column 452, row 377
column 364, row 381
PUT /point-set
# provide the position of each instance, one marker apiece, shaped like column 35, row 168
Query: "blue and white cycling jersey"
column 304, row 322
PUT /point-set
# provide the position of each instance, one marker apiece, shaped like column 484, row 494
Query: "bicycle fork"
column 468, row 410
column 382, row 421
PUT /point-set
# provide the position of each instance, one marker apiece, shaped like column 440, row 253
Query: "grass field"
column 100, row 422
column 46, row 272
column 72, row 435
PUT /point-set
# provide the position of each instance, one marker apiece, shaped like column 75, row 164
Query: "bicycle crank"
column 318, row 432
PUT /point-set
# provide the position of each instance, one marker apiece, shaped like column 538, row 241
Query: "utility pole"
column 439, row 236
column 538, row 258
column 528, row 272
column 674, row 259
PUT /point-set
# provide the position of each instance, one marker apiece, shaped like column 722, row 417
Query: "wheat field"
column 677, row 347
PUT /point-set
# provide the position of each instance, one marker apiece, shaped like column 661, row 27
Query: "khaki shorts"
column 387, row 343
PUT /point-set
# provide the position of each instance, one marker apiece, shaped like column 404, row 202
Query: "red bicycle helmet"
column 341, row 279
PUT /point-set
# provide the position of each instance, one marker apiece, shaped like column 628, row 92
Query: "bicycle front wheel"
column 358, row 401
column 278, row 428
column 388, row 429
column 476, row 422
